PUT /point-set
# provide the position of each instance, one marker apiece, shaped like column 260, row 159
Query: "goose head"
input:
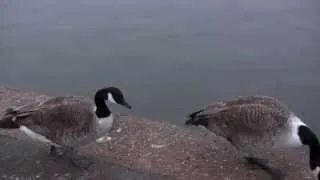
column 115, row 95
column 111, row 94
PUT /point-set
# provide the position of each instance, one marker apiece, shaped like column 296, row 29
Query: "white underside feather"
column 35, row 135
column 291, row 137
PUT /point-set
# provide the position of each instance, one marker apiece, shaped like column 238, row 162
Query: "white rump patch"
column 293, row 138
column 34, row 135
column 315, row 172
column 111, row 99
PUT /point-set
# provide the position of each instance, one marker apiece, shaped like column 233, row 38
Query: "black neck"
column 309, row 138
column 102, row 110
column 314, row 161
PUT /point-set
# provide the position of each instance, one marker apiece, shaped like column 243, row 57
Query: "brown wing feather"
column 60, row 120
column 28, row 108
column 253, row 99
column 248, row 121
column 245, row 118
column 215, row 107
column 63, row 99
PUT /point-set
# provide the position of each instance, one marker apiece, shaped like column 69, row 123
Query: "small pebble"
column 103, row 139
column 119, row 130
column 157, row 146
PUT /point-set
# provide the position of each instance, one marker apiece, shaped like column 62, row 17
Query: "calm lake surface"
column 170, row 57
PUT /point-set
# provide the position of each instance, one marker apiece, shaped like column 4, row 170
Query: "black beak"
column 125, row 104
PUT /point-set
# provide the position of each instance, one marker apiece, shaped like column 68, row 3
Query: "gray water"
column 170, row 57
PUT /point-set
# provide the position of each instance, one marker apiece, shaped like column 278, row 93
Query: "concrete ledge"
column 140, row 149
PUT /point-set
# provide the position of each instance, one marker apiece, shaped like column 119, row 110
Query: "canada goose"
column 66, row 122
column 250, row 122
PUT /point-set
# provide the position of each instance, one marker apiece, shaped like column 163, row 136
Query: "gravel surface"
column 139, row 148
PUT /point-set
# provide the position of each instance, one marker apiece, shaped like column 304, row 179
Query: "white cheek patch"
column 110, row 98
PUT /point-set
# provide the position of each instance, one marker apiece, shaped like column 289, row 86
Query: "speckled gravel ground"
column 139, row 149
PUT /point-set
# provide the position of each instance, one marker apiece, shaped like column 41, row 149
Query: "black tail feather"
column 195, row 119
column 7, row 123
column 193, row 115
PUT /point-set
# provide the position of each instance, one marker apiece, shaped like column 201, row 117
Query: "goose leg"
column 57, row 152
column 256, row 163
column 259, row 163
column 79, row 160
